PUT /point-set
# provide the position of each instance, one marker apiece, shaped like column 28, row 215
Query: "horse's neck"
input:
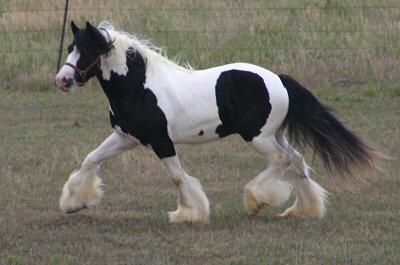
column 117, row 84
column 157, row 75
column 164, row 76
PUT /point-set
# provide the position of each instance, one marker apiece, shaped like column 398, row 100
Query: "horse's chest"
column 139, row 117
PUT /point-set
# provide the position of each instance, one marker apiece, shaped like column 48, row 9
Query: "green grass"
column 45, row 135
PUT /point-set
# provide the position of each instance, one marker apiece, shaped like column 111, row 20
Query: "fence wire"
column 167, row 32
column 32, row 38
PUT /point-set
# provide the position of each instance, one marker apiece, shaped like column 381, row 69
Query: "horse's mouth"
column 64, row 89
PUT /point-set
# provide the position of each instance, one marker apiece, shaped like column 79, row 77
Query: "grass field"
column 335, row 41
column 45, row 135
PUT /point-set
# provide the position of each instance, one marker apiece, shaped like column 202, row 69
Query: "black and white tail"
column 310, row 122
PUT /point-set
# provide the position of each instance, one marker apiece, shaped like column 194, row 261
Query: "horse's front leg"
column 83, row 188
column 193, row 205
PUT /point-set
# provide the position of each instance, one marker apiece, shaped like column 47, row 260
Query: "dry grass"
column 45, row 135
column 325, row 42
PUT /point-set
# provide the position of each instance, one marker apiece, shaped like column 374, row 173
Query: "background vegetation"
column 347, row 52
column 334, row 41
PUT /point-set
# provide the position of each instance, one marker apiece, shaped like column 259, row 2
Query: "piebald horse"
column 157, row 103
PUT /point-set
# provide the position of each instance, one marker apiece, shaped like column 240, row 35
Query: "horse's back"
column 234, row 98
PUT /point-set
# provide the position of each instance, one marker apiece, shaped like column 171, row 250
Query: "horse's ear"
column 97, row 38
column 74, row 28
column 90, row 29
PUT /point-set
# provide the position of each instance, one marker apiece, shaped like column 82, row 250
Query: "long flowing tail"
column 310, row 122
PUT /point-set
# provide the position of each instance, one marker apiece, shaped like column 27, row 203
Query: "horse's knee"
column 286, row 160
column 178, row 177
column 177, row 180
column 298, row 167
column 282, row 160
column 89, row 162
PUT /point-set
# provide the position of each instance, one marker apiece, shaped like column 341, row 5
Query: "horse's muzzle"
column 64, row 84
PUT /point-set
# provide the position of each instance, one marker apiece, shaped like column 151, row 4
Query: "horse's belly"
column 197, row 133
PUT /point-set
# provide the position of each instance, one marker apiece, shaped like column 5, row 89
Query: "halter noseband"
column 96, row 62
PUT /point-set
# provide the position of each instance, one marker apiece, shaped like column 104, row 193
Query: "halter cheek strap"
column 84, row 72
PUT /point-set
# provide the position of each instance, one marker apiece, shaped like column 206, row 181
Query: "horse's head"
column 83, row 61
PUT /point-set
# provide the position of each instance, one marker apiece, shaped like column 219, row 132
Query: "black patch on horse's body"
column 243, row 103
column 134, row 107
column 201, row 132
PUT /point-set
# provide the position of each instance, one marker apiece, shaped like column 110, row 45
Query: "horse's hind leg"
column 310, row 196
column 268, row 188
column 83, row 188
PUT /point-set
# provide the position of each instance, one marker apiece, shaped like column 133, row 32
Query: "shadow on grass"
column 100, row 220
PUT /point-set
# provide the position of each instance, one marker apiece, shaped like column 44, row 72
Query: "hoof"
column 299, row 210
column 252, row 204
column 187, row 215
column 290, row 212
column 271, row 191
column 72, row 211
column 310, row 200
column 193, row 205
column 80, row 193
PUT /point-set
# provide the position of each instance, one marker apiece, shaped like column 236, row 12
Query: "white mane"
column 124, row 41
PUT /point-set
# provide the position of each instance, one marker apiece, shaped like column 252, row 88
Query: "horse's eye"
column 70, row 48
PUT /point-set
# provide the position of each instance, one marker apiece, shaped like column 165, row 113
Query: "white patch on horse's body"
column 116, row 60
